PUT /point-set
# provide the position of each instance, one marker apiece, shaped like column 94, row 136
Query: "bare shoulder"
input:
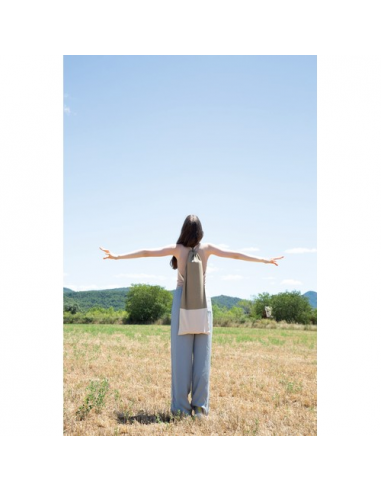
column 221, row 251
column 211, row 248
column 206, row 249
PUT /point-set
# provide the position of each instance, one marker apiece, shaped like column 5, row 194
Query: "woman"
column 189, row 376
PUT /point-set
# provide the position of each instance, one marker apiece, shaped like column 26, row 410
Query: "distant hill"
column 226, row 301
column 312, row 297
column 117, row 298
column 87, row 299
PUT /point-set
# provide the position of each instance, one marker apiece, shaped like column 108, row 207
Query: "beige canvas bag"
column 194, row 317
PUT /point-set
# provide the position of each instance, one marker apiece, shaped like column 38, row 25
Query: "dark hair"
column 190, row 235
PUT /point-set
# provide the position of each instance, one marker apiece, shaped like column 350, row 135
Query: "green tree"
column 238, row 314
column 216, row 310
column 260, row 301
column 71, row 308
column 246, row 305
column 292, row 307
column 147, row 303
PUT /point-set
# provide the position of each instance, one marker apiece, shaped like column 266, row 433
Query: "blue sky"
column 151, row 139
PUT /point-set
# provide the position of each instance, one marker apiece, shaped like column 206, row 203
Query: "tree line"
column 151, row 304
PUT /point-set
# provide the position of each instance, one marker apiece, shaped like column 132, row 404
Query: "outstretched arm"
column 236, row 255
column 169, row 250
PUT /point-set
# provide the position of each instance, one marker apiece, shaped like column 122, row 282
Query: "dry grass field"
column 117, row 382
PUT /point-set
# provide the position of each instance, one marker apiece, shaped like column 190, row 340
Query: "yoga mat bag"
column 194, row 317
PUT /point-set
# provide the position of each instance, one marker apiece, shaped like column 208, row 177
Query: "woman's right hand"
column 273, row 260
column 110, row 256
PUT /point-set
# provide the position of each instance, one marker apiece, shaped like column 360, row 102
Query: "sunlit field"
column 117, row 382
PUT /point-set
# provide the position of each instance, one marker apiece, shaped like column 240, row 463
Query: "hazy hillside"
column 226, row 301
column 312, row 297
column 87, row 299
column 117, row 298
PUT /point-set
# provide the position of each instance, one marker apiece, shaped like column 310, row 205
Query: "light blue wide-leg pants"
column 190, row 361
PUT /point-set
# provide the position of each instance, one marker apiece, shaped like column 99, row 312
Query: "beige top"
column 180, row 279
column 182, row 259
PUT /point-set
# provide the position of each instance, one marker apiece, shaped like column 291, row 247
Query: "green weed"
column 291, row 386
column 95, row 398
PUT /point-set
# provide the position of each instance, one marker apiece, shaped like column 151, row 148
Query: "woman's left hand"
column 110, row 256
column 273, row 260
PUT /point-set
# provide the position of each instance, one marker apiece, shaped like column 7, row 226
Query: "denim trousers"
column 190, row 363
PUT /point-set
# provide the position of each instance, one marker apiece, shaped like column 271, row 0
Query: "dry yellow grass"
column 263, row 382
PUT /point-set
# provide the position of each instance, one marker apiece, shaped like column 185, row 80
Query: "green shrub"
column 260, row 301
column 291, row 307
column 147, row 303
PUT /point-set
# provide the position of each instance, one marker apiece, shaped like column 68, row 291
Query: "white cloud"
column 249, row 249
column 291, row 281
column 301, row 250
column 268, row 278
column 79, row 288
column 140, row 275
column 232, row 277
column 67, row 109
